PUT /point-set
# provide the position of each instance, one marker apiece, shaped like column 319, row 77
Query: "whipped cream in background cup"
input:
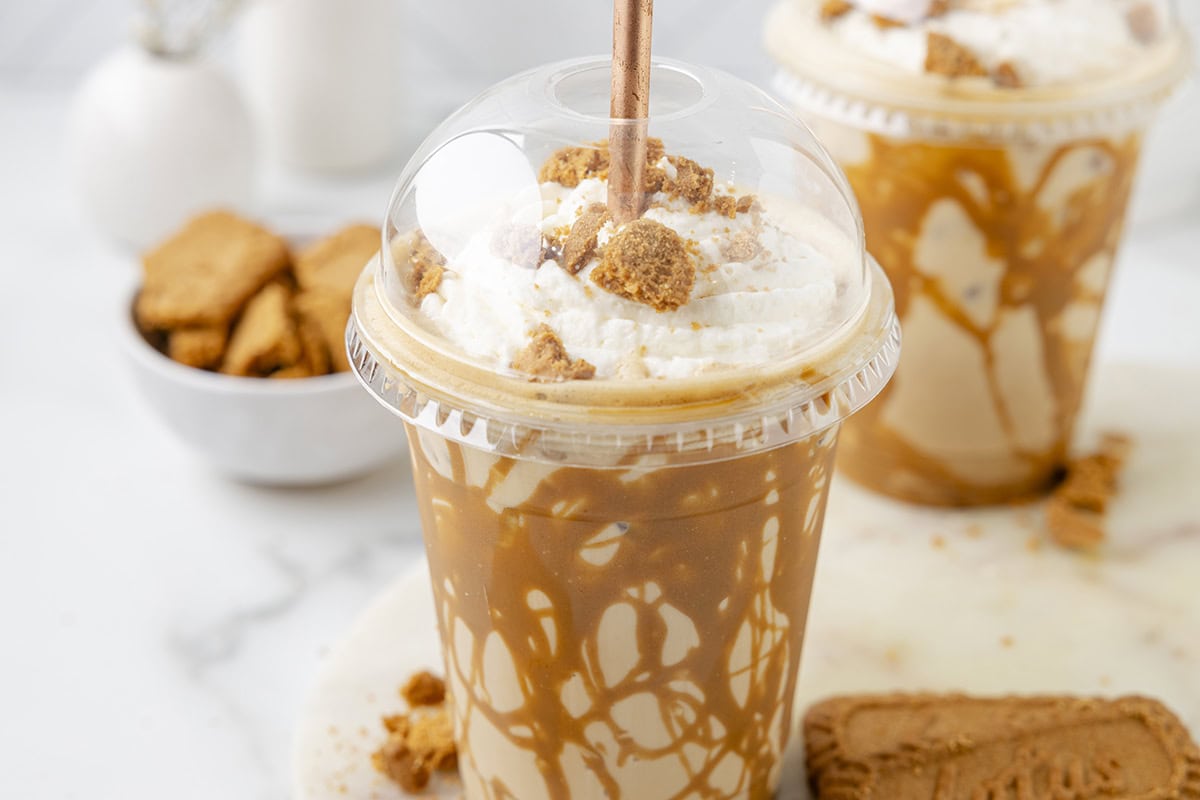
column 622, row 509
column 993, row 145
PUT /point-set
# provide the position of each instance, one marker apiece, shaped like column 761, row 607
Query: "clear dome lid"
column 511, row 283
column 894, row 65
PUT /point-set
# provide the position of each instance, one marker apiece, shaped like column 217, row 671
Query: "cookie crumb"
column 1143, row 22
column 741, row 247
column 580, row 244
column 884, row 23
column 570, row 165
column 416, row 746
column 692, row 182
column 648, row 263
column 937, row 8
column 545, row 359
column 725, row 205
column 945, row 56
column 424, row 689
column 832, row 9
column 1075, row 511
column 420, row 743
column 1006, row 76
column 746, row 203
column 426, row 267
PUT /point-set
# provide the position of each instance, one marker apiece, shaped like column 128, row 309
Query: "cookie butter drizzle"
column 1042, row 224
column 624, row 632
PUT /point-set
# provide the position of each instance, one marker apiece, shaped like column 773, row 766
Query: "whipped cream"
column 1048, row 42
column 799, row 287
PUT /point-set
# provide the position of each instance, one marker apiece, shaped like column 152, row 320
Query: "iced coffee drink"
column 992, row 145
column 622, row 433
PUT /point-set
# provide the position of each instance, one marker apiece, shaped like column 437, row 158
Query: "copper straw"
column 630, row 99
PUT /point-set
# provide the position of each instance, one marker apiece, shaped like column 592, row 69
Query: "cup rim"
column 875, row 97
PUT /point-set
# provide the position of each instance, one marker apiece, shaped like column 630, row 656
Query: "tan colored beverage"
column 622, row 435
column 993, row 186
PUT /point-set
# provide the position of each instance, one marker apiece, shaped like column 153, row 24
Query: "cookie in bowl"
column 236, row 341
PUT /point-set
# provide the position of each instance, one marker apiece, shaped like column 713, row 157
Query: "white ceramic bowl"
column 293, row 432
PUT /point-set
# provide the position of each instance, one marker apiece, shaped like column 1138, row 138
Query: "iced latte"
column 622, row 434
column 993, row 146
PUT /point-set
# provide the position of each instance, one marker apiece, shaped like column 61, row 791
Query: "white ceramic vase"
column 153, row 140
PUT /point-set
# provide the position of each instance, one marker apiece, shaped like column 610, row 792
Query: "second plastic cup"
column 996, row 212
column 622, row 564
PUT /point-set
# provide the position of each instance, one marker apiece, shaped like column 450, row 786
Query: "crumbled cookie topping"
column 742, row 246
column 725, row 205
column 580, row 243
column 427, row 265
column 648, row 263
column 1006, row 76
column 832, row 9
column 571, row 165
column 945, row 56
column 545, row 359
column 883, row 23
column 692, row 182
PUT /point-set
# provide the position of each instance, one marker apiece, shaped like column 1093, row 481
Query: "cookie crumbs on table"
column 1075, row 511
column 424, row 689
column 419, row 743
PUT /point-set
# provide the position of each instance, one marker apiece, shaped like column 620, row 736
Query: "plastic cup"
column 996, row 213
column 622, row 565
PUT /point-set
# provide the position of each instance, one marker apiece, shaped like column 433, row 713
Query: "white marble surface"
column 162, row 625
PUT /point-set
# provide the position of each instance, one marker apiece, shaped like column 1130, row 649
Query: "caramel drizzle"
column 697, row 531
column 896, row 187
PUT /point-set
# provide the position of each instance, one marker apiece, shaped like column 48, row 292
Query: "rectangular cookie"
column 265, row 338
column 334, row 263
column 327, row 312
column 955, row 747
column 203, row 275
column 202, row 348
